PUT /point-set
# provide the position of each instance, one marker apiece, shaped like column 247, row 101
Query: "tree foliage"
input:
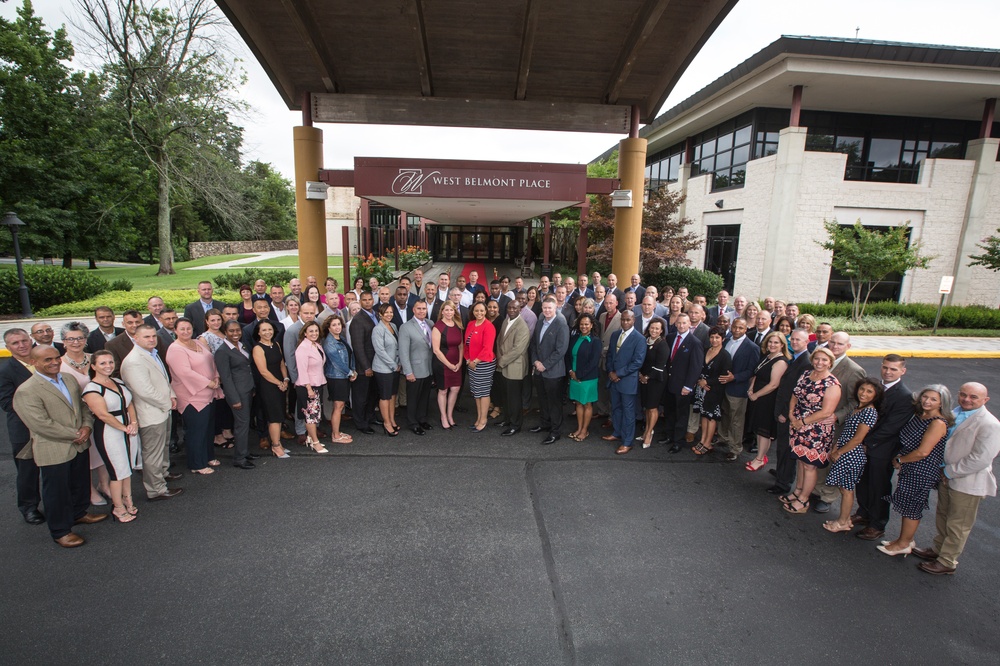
column 868, row 256
column 990, row 258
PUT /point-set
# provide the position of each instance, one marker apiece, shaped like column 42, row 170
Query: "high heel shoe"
column 893, row 553
column 276, row 448
column 121, row 514
column 127, row 500
column 390, row 433
column 753, row 468
column 312, row 444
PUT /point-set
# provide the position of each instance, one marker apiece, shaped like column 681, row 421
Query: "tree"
column 990, row 258
column 173, row 83
column 665, row 238
column 867, row 256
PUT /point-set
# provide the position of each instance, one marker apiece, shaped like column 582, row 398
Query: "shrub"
column 874, row 324
column 413, row 257
column 952, row 316
column 47, row 286
column 698, row 282
column 121, row 285
column 377, row 267
column 119, row 301
column 250, row 275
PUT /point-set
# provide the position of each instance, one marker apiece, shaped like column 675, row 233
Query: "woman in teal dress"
column 585, row 355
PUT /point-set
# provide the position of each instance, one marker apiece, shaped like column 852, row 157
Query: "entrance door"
column 722, row 244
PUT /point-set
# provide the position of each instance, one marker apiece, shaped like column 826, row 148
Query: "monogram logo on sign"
column 411, row 181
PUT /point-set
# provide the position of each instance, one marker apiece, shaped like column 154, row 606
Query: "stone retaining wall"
column 211, row 249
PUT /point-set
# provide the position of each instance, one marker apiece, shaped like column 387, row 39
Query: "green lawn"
column 144, row 277
column 292, row 261
column 946, row 332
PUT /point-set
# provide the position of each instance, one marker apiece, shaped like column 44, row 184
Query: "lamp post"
column 11, row 221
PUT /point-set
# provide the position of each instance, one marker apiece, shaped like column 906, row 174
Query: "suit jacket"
column 415, row 353
column 361, row 341
column 235, row 373
column 712, row 315
column 165, row 335
column 290, row 342
column 684, row 369
column 551, row 348
column 152, row 321
column 758, row 337
column 607, row 330
column 882, row 441
column 502, row 302
column 701, row 332
column 640, row 293
column 251, row 328
column 396, row 318
column 96, row 341
column 969, row 454
column 121, row 346
column 52, row 422
column 151, row 390
column 12, row 375
column 745, row 361
column 512, row 349
column 434, row 310
column 783, row 395
column 386, row 347
column 621, row 298
column 627, row 361
column 848, row 373
column 196, row 313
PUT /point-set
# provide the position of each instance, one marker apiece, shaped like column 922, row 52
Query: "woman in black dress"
column 271, row 379
column 762, row 394
column 708, row 395
column 653, row 375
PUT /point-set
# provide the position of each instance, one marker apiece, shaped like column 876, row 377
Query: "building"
column 814, row 129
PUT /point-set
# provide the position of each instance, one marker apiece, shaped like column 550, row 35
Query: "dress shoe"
column 539, row 429
column 70, row 540
column 870, row 534
column 675, row 448
column 772, row 472
column 551, row 439
column 173, row 476
column 417, row 430
column 622, row 450
column 935, row 568
column 287, row 435
column 819, row 506
column 777, row 490
column 90, row 518
column 925, row 553
column 264, row 443
column 35, row 517
column 301, row 439
column 664, row 441
column 689, row 437
column 252, row 456
column 502, row 424
column 858, row 519
column 170, row 492
column 753, row 448
column 611, row 438
column 731, row 457
column 509, row 432
column 426, row 426
column 368, row 431
column 174, row 449
column 246, row 464
column 378, row 421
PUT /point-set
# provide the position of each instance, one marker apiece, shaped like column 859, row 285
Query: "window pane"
column 743, row 135
column 708, row 164
column 741, row 155
column 725, row 142
column 852, row 146
column 884, row 152
column 708, row 148
column 820, row 143
column 946, row 150
column 723, row 160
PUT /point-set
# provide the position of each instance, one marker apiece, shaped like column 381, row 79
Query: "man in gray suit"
column 547, row 351
column 722, row 308
column 512, row 360
column 307, row 315
column 167, row 321
column 233, row 361
column 415, row 357
column 196, row 311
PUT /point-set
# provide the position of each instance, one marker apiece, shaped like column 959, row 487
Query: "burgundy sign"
column 384, row 177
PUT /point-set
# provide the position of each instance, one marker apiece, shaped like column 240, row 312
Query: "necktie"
column 677, row 344
column 427, row 332
column 621, row 339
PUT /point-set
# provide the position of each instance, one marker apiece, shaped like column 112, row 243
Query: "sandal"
column 585, row 436
column 790, row 507
column 214, row 462
column 127, row 500
column 751, row 467
column 228, row 444
column 573, row 436
column 835, row 526
column 122, row 515
column 343, row 438
column 788, row 499
column 207, row 470
column 700, row 449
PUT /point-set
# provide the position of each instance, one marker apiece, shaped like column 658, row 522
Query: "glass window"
column 723, row 160
column 884, row 152
column 708, row 148
column 741, row 155
column 743, row 135
column 724, row 143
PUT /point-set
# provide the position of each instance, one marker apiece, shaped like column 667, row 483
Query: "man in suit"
column 168, row 320
column 626, row 352
column 784, row 470
column 456, row 295
column 583, row 289
column 363, row 387
column 144, row 371
column 547, row 351
column 614, row 289
column 262, row 311
column 196, row 311
column 444, row 286
column 609, row 321
column 848, row 373
column 722, row 307
column 233, row 361
column 60, row 428
column 43, row 333
column 636, row 288
column 513, row 341
column 417, row 286
column 411, row 297
column 882, row 443
column 496, row 294
column 967, row 478
column 278, row 309
column 824, row 332
column 154, row 305
column 415, row 357
column 402, row 310
column 13, row 373
column 432, row 301
column 687, row 357
column 105, row 331
column 699, row 328
column 122, row 345
column 260, row 292
column 290, row 341
column 762, row 326
column 644, row 314
column 745, row 357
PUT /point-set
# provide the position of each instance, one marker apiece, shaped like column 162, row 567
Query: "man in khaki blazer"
column 512, row 360
column 60, row 436
column 144, row 371
column 608, row 325
column 967, row 477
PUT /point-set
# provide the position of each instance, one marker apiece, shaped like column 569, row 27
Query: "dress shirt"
column 205, row 306
column 890, row 384
column 733, row 345
column 621, row 338
column 238, row 347
column 159, row 361
column 400, row 311
column 545, row 326
column 61, row 385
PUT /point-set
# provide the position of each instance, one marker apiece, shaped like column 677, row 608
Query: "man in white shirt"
column 278, row 309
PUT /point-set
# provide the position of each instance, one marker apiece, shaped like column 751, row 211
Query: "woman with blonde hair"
column 762, row 395
column 446, row 344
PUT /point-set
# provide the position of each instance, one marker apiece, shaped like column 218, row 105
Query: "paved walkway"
column 260, row 256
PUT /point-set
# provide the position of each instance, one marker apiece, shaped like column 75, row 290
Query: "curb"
column 917, row 353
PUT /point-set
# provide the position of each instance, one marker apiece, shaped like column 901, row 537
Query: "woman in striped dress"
column 480, row 341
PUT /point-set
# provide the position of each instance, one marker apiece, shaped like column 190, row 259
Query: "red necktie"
column 677, row 344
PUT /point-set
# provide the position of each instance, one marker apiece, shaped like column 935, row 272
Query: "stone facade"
column 211, row 249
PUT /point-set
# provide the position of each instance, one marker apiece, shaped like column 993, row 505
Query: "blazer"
column 551, row 348
column 783, row 394
column 152, row 321
column 121, row 346
column 712, row 314
column 606, row 333
column 311, row 361
column 745, row 361
column 236, row 374
column 882, row 441
column 415, row 353
column 397, row 319
column 701, row 332
column 12, row 375
column 151, row 391
column 685, row 368
column 588, row 358
column 291, row 341
column 386, row 346
column 502, row 302
column 969, row 454
column 640, row 293
column 361, row 341
column 52, row 422
column 96, row 341
column 848, row 373
column 433, row 311
column 165, row 335
column 196, row 313
column 657, row 360
column 621, row 298
column 512, row 349
column 625, row 362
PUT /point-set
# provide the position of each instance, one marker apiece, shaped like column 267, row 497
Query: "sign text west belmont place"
column 412, row 181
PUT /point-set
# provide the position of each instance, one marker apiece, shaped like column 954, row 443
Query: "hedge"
column 120, row 301
column 250, row 275
column 47, row 286
column 952, row 316
column 698, row 282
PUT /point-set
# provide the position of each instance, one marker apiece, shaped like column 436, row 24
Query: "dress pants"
column 676, row 409
column 241, row 427
column 513, row 412
column 694, row 422
column 419, row 396
column 826, row 493
column 734, row 410
column 363, row 400
column 784, row 469
column 29, row 492
column 956, row 514
column 623, row 407
column 66, row 493
column 874, row 485
column 550, row 395
column 198, row 443
column 155, row 456
column 603, row 405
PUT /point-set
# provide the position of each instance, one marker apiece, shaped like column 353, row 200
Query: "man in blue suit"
column 626, row 353
column 745, row 355
column 687, row 357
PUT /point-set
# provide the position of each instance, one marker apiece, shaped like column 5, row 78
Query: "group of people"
column 710, row 378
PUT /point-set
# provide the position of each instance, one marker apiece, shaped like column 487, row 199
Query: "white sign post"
column 947, row 281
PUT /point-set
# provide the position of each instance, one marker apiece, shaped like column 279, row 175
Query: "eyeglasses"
column 73, row 339
column 43, row 330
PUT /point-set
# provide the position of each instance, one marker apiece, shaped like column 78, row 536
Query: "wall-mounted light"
column 719, row 203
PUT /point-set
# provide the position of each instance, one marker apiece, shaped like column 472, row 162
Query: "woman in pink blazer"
column 195, row 380
column 309, row 362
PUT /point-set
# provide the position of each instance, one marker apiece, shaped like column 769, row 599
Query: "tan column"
column 628, row 221
column 976, row 284
column 310, row 215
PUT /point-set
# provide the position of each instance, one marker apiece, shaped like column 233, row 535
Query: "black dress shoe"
column 378, row 421
column 246, row 464
column 539, row 429
column 551, row 439
column 510, row 431
column 776, row 490
column 664, row 441
column 426, row 426
column 368, row 431
column 675, row 448
column 34, row 517
column 252, row 456
column 502, row 424
column 417, row 430
column 173, row 476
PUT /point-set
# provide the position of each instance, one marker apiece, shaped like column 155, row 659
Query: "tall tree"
column 174, row 85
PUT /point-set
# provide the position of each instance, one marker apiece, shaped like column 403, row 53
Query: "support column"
column 628, row 221
column 365, row 242
column 793, row 120
column 346, row 249
column 976, row 225
column 310, row 214
column 402, row 229
column 581, row 241
column 775, row 276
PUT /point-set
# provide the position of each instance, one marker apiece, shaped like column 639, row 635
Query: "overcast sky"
column 752, row 25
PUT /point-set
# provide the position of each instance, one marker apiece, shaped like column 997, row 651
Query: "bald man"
column 967, row 477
